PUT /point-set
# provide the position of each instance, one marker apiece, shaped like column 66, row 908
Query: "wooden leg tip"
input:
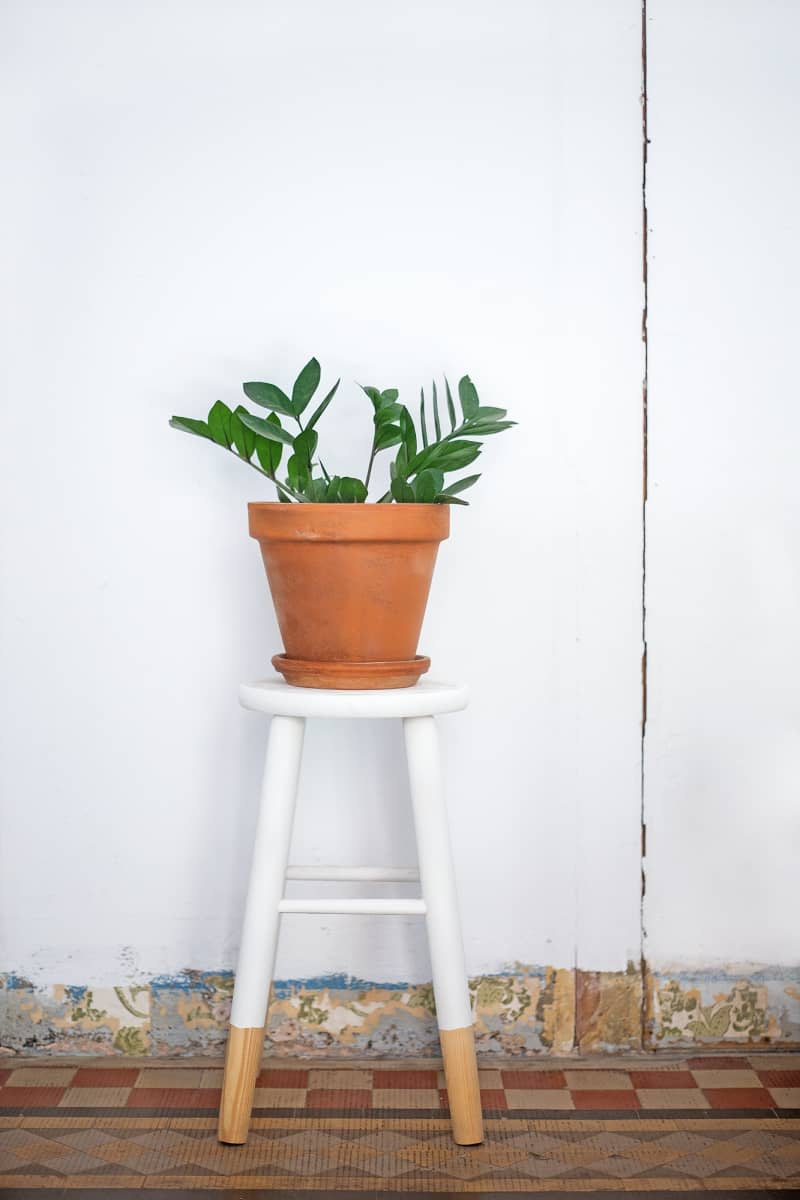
column 241, row 1069
column 229, row 1137
column 473, row 1140
column 463, row 1087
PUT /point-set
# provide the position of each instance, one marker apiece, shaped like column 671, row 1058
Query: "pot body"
column 350, row 584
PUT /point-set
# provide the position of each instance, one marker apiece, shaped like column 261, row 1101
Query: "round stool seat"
column 281, row 699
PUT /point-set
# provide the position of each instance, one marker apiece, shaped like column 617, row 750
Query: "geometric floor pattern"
column 727, row 1125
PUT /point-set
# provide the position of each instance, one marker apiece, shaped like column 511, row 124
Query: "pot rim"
column 270, row 520
column 295, row 505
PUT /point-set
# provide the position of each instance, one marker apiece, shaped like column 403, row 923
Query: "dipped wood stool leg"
column 437, row 877
column 260, row 930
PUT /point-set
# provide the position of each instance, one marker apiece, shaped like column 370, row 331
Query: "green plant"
column 417, row 474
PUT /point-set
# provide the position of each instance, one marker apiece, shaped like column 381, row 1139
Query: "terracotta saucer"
column 364, row 676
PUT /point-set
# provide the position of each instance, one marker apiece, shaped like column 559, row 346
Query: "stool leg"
column 260, row 929
column 444, row 929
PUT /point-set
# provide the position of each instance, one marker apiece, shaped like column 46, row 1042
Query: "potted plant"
column 350, row 579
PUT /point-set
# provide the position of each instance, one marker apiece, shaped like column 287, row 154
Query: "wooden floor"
column 725, row 1124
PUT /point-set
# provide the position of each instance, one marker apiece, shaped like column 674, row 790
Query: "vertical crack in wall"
column 642, row 814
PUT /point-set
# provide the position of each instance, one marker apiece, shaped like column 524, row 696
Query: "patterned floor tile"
column 277, row 1077
column 717, row 1062
column 30, row 1097
column 604, row 1100
column 338, row 1097
column 404, row 1079
column 539, row 1098
column 780, row 1079
column 211, row 1078
column 677, row 1099
column 40, row 1077
column 595, row 1081
column 179, row 1097
column 322, row 1130
column 408, row 1098
column 547, row 1080
column 731, row 1098
column 775, row 1061
column 730, row 1078
column 279, row 1097
column 339, row 1079
column 95, row 1097
column 168, row 1077
column 663, row 1079
column 104, row 1077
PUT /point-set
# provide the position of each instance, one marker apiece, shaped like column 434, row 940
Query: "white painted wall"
column 723, row 580
column 202, row 193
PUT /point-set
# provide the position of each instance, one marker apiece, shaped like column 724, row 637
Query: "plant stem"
column 372, row 454
column 280, row 486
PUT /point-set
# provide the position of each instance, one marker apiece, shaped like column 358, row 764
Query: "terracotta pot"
column 350, row 583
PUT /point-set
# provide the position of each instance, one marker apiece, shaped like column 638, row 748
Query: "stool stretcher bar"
column 376, row 907
column 356, row 874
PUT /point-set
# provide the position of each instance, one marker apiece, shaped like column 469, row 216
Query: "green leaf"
column 373, row 393
column 442, row 454
column 321, row 409
column 387, row 435
column 268, row 429
column 389, row 395
column 332, row 494
column 485, row 428
column 269, row 395
column 401, row 463
column 190, row 425
column 455, row 455
column 436, row 424
column 460, row 485
column 305, row 444
column 402, row 492
column 243, row 438
column 318, row 490
column 468, row 397
column 490, row 414
column 446, row 498
column 422, row 424
column 269, row 453
column 451, row 408
column 387, row 413
column 219, row 423
column 305, row 385
column 427, row 485
column 298, row 473
column 352, row 491
column 408, row 433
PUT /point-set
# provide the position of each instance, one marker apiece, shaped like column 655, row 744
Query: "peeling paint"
column 608, row 1011
column 704, row 1007
column 525, row 1011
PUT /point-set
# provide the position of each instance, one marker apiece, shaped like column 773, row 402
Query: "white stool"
column 289, row 707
